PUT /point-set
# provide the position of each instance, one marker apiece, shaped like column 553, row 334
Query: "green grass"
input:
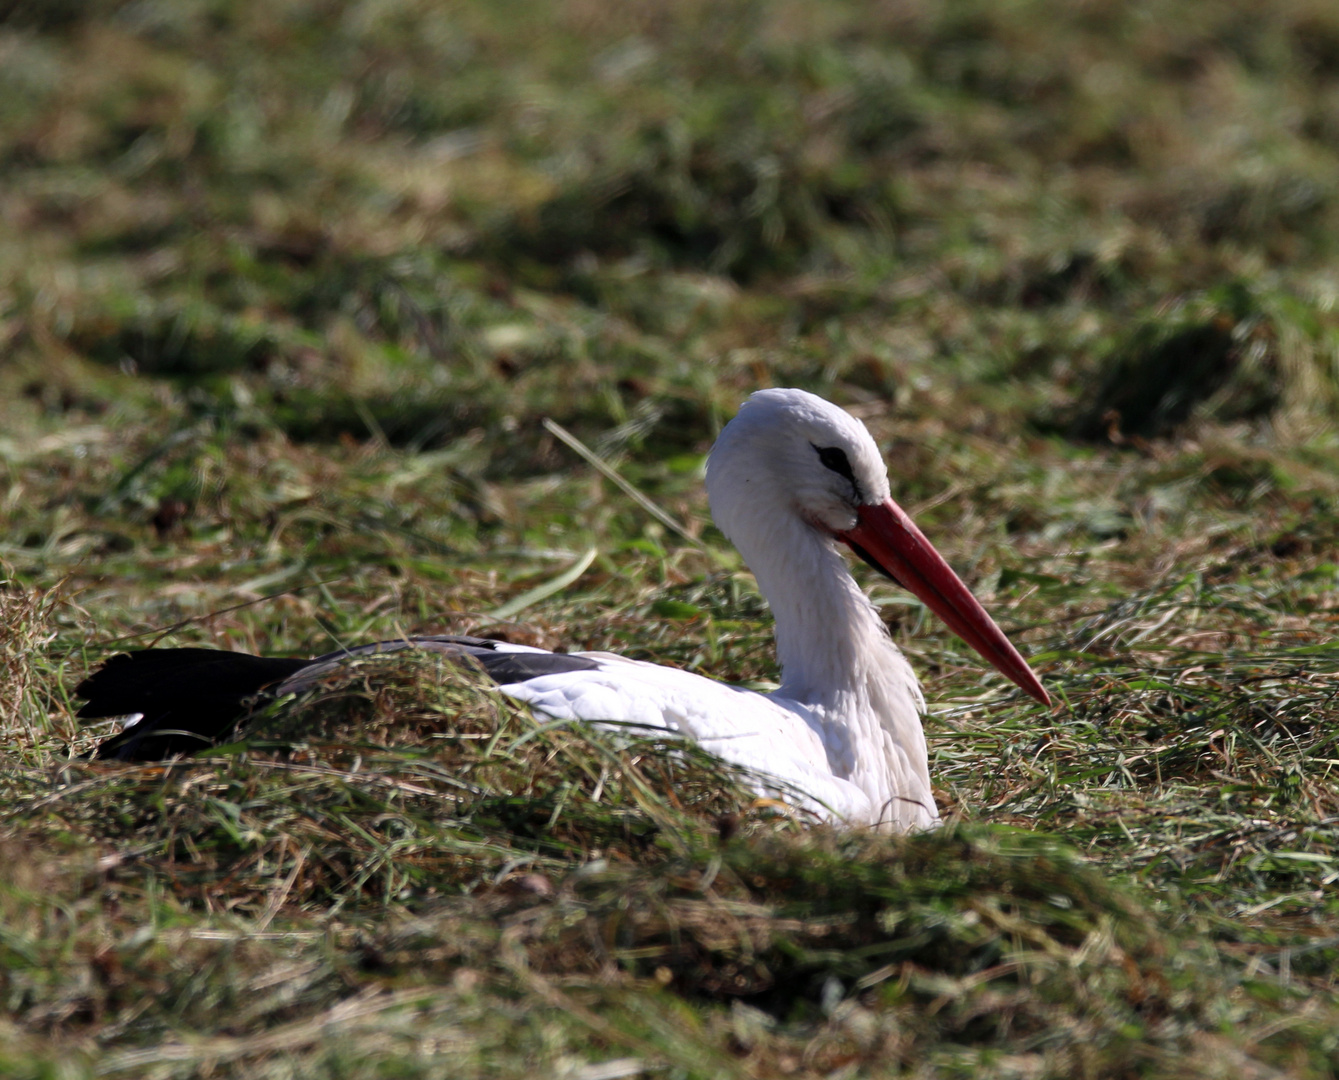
column 287, row 291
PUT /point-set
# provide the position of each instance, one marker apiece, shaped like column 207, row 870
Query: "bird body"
column 790, row 479
column 775, row 738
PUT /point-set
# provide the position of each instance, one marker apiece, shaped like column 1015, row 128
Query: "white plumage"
column 789, row 477
column 768, row 736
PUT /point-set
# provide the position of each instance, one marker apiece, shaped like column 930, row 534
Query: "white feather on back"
column 737, row 725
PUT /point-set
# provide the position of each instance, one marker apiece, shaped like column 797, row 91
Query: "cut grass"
column 285, row 294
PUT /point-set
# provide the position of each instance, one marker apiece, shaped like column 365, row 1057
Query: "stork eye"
column 834, row 458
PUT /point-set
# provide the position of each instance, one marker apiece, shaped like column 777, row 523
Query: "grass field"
column 287, row 291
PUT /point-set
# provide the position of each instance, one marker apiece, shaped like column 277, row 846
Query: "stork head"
column 788, row 452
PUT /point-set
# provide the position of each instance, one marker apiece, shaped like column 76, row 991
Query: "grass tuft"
column 1234, row 354
column 25, row 635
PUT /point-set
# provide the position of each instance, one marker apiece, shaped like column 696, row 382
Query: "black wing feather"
column 194, row 698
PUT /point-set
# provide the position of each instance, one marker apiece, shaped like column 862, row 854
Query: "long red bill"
column 886, row 537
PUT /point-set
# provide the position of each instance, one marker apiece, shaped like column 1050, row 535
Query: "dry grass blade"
column 610, row 473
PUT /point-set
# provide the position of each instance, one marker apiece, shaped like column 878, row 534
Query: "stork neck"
column 837, row 659
column 829, row 638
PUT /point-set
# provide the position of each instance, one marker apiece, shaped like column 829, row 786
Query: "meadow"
column 298, row 300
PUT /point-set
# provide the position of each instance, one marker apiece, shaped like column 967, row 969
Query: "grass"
column 286, row 294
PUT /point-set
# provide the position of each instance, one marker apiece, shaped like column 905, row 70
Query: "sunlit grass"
column 286, row 292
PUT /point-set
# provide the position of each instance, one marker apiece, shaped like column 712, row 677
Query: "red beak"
column 886, row 538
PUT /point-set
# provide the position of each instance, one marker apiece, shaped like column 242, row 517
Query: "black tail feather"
column 189, row 698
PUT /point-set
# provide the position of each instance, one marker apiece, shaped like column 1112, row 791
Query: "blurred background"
column 1072, row 261
column 415, row 219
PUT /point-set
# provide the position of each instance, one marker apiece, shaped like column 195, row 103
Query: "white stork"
column 791, row 478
